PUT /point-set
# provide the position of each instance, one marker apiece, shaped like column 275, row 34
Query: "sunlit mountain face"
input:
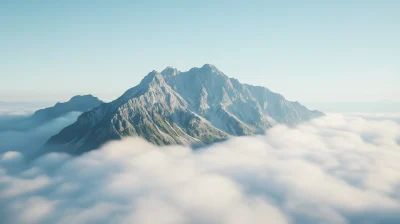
column 197, row 107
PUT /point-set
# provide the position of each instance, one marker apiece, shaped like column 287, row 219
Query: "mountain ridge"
column 79, row 103
column 197, row 107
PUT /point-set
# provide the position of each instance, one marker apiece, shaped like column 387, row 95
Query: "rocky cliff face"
column 200, row 106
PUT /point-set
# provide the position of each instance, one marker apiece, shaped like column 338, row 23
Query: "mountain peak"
column 170, row 71
column 209, row 68
column 153, row 76
column 78, row 103
column 199, row 106
column 83, row 97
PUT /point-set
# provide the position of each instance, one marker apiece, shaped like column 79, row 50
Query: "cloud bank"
column 378, row 116
column 28, row 135
column 335, row 169
column 20, row 108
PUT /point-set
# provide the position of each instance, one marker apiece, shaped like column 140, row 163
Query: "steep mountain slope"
column 75, row 104
column 238, row 109
column 197, row 107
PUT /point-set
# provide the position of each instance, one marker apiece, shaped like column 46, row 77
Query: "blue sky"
column 310, row 51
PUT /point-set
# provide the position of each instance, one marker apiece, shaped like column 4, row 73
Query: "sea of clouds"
column 20, row 133
column 334, row 169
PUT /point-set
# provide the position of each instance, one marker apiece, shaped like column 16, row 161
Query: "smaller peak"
column 170, row 71
column 83, row 98
column 79, row 97
column 89, row 98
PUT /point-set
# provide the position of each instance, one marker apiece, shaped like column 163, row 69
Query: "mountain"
column 197, row 107
column 79, row 103
column 75, row 104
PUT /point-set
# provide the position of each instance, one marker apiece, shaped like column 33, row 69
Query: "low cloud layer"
column 28, row 136
column 335, row 169
column 379, row 116
column 20, row 108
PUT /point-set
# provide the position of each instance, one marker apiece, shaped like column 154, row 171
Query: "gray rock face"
column 200, row 106
column 235, row 108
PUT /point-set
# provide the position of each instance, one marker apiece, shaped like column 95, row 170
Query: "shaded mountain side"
column 200, row 106
column 75, row 104
column 80, row 103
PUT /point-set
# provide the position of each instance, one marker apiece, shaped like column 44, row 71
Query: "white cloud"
column 31, row 139
column 379, row 116
column 335, row 169
column 39, row 208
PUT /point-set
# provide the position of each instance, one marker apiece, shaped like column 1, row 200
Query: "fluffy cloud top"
column 335, row 169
